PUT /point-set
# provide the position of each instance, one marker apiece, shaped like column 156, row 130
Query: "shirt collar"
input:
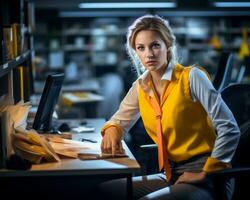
column 145, row 77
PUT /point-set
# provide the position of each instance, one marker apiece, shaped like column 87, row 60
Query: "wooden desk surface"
column 71, row 167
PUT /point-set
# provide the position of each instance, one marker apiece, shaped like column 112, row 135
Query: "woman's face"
column 151, row 50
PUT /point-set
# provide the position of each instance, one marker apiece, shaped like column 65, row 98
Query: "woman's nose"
column 149, row 53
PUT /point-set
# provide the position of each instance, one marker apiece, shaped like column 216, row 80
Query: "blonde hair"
column 152, row 23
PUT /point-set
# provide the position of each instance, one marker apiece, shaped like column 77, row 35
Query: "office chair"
column 223, row 75
column 237, row 97
column 246, row 62
column 241, row 74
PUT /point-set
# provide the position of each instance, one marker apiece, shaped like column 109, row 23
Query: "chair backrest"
column 223, row 75
column 246, row 62
column 240, row 74
column 237, row 98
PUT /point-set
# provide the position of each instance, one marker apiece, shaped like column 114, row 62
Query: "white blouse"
column 202, row 90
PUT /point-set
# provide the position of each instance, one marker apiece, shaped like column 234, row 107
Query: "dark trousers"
column 155, row 186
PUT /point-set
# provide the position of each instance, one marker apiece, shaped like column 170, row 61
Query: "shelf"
column 198, row 47
column 89, row 48
column 230, row 46
column 46, row 50
column 7, row 67
column 69, row 47
column 90, row 32
column 233, row 31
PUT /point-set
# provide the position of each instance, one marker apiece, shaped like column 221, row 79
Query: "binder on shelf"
column 18, row 77
column 27, row 84
column 18, row 38
column 8, row 42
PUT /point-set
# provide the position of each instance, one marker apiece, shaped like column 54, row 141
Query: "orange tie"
column 162, row 150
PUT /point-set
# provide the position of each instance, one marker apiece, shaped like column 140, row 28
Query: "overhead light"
column 128, row 5
column 100, row 13
column 231, row 4
column 136, row 13
column 211, row 13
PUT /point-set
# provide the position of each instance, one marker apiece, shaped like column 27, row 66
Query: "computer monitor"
column 43, row 118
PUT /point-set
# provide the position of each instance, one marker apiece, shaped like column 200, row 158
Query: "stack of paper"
column 71, row 98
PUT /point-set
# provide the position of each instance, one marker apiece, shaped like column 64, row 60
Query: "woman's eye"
column 156, row 45
column 140, row 48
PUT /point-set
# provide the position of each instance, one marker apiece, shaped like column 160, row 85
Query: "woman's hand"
column 111, row 141
column 191, row 177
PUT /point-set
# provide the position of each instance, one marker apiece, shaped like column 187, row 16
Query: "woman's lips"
column 151, row 62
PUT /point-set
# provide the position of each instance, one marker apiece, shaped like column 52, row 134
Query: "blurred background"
column 86, row 39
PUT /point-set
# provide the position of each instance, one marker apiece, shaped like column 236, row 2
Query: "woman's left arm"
column 228, row 133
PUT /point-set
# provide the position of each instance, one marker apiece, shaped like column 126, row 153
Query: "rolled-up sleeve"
column 128, row 112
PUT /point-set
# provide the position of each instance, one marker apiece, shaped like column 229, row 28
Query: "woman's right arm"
column 121, row 122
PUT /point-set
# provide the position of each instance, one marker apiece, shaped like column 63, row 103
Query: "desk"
column 87, row 102
column 68, row 177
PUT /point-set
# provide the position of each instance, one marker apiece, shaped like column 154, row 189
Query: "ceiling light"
column 128, row 5
column 231, row 4
column 101, row 13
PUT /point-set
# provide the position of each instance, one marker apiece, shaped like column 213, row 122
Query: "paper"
column 33, row 147
column 70, row 98
column 96, row 156
column 18, row 113
column 14, row 116
column 66, row 147
column 82, row 129
column 80, row 150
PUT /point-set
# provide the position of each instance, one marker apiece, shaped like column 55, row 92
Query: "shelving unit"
column 12, row 64
column 98, row 41
column 194, row 37
column 16, row 73
column 77, row 38
column 88, row 46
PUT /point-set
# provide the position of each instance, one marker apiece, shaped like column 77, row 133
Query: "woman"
column 185, row 116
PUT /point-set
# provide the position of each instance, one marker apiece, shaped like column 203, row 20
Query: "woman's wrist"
column 115, row 127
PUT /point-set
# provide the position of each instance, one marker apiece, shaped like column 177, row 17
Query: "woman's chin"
column 151, row 68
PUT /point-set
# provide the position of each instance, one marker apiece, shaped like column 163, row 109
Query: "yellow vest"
column 186, row 127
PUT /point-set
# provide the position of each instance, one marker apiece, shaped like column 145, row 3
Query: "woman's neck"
column 157, row 84
column 157, row 75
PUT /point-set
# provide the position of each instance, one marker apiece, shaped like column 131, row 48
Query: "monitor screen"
column 49, row 98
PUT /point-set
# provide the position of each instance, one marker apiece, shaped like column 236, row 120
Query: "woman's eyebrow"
column 155, row 41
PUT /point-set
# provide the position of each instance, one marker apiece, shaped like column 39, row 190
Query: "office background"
column 86, row 41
